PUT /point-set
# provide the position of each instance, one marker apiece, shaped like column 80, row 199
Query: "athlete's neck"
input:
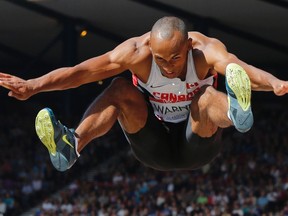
column 182, row 75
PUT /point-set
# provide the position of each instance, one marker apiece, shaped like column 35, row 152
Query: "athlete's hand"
column 281, row 88
column 19, row 88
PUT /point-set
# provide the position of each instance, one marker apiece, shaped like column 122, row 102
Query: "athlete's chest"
column 174, row 90
column 171, row 90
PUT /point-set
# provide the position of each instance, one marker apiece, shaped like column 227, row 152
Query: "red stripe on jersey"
column 135, row 80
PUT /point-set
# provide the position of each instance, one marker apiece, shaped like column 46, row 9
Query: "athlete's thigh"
column 131, row 104
column 201, row 122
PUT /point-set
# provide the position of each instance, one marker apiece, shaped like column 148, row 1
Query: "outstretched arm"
column 260, row 79
column 61, row 78
column 97, row 68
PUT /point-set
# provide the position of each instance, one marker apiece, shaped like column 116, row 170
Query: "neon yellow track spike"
column 45, row 131
column 239, row 82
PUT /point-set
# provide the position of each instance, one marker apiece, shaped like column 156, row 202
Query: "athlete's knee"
column 120, row 87
column 207, row 94
column 119, row 83
column 203, row 98
column 125, row 93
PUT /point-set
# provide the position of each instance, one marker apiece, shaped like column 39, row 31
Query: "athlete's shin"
column 208, row 109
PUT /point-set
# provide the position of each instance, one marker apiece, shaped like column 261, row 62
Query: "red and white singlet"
column 171, row 98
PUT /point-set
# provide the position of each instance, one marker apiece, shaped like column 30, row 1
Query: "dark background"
column 38, row 36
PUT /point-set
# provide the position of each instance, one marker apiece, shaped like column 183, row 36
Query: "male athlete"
column 172, row 115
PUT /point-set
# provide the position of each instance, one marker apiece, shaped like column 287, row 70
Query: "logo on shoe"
column 242, row 119
column 64, row 138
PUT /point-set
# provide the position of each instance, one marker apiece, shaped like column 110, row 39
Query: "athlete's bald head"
column 169, row 46
column 165, row 27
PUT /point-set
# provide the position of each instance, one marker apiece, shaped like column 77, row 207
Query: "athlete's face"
column 170, row 54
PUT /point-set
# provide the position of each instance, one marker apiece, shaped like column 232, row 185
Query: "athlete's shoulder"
column 137, row 42
column 196, row 34
column 203, row 40
column 132, row 50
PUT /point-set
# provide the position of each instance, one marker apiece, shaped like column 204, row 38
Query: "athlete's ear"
column 149, row 43
column 189, row 43
column 150, row 48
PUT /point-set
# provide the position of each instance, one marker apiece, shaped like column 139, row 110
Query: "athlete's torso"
column 171, row 98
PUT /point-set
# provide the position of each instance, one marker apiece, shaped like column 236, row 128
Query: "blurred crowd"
column 249, row 177
column 26, row 174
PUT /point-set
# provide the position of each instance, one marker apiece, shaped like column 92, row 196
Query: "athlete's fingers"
column 5, row 84
column 8, row 84
column 16, row 95
column 281, row 89
column 5, row 78
column 5, row 75
column 284, row 89
column 15, row 87
column 13, row 94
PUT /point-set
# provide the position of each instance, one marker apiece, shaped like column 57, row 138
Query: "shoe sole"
column 45, row 130
column 239, row 82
